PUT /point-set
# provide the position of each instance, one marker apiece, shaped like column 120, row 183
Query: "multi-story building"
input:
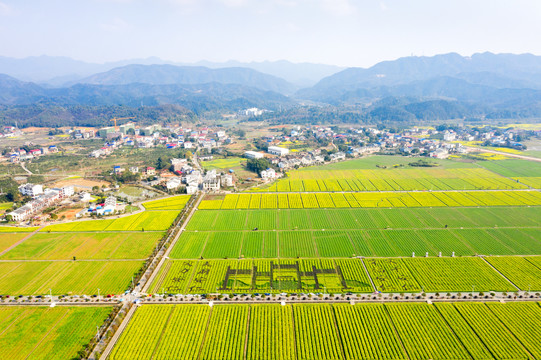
column 32, row 190
column 173, row 183
column 227, row 180
column 268, row 174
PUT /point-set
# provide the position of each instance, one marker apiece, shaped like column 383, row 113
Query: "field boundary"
column 117, row 333
column 171, row 246
column 369, row 276
column 500, row 273
column 21, row 241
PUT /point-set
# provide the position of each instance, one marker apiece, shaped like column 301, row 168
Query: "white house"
column 84, row 197
column 31, row 189
column 268, row 174
column 67, row 191
column 173, row 183
column 253, row 155
column 440, row 153
column 275, row 150
column 110, row 201
column 22, row 213
column 227, row 180
column 211, row 184
column 191, row 189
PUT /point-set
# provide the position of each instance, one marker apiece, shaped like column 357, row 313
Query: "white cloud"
column 383, row 6
column 234, row 3
column 117, row 24
column 115, row 1
column 287, row 3
column 339, row 7
column 5, row 9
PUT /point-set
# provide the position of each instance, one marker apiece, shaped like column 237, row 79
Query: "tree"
column 161, row 163
column 258, row 165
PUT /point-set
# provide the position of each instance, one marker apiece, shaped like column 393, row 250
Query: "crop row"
column 374, row 200
column 144, row 221
column 66, row 277
column 395, row 218
column 98, row 246
column 338, row 331
column 392, row 180
column 371, row 243
column 169, row 203
column 47, row 333
column 390, row 275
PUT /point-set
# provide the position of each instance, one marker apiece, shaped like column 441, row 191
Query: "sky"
column 337, row 32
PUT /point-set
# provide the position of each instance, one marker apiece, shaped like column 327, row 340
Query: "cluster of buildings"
column 42, row 199
column 251, row 112
column 108, row 207
column 9, row 132
column 272, row 150
column 21, row 155
column 183, row 174
column 510, row 138
column 211, row 181
column 151, row 136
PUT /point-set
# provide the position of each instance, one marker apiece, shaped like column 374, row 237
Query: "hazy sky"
column 341, row 32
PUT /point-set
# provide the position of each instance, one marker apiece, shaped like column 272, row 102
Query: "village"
column 282, row 149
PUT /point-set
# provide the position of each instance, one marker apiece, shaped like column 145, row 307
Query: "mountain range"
column 58, row 71
column 447, row 86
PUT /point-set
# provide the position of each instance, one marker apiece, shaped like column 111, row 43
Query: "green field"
column 291, row 233
column 524, row 272
column 47, row 333
column 7, row 240
column 222, row 164
column 395, row 218
column 144, row 221
column 80, row 257
column 392, row 173
column 514, row 168
column 5, row 206
column 66, row 277
column 374, row 200
column 339, row 331
column 348, row 243
column 346, row 275
column 170, row 203
column 310, row 180
column 210, row 276
column 64, row 246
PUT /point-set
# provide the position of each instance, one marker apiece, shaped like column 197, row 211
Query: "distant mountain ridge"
column 441, row 87
column 415, row 75
column 188, row 75
column 196, row 97
column 58, row 70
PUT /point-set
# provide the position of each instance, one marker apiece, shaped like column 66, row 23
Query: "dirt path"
column 21, row 241
column 25, row 169
column 524, row 157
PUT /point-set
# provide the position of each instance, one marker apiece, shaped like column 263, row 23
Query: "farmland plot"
column 455, row 275
column 65, row 246
column 49, row 333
